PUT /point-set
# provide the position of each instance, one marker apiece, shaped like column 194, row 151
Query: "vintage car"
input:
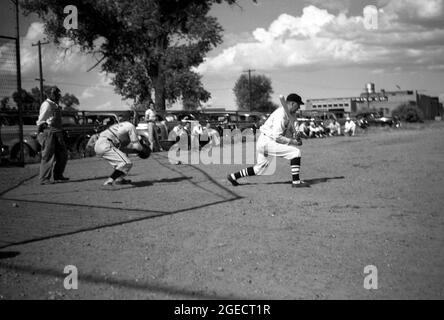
column 77, row 134
column 374, row 119
column 232, row 120
column 9, row 132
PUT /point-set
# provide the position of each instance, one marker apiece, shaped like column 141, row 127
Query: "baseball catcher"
column 273, row 142
column 114, row 143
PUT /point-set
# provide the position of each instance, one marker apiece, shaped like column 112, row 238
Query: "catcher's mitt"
column 145, row 152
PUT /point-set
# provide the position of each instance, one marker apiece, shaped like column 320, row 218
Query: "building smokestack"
column 370, row 88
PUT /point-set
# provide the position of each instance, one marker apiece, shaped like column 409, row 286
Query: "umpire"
column 51, row 138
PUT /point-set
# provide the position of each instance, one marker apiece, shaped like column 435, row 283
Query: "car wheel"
column 29, row 156
column 81, row 148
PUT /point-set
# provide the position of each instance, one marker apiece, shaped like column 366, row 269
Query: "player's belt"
column 118, row 143
column 112, row 142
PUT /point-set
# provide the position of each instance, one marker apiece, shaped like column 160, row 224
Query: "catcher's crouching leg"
column 122, row 165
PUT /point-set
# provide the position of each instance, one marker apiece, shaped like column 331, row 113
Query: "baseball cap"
column 295, row 98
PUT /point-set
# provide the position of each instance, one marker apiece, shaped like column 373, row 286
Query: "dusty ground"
column 184, row 232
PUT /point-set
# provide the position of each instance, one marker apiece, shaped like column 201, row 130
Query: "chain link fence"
column 8, row 73
column 9, row 115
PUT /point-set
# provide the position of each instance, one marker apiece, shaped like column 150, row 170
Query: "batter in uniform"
column 272, row 142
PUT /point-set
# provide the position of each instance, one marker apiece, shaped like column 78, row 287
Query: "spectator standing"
column 51, row 138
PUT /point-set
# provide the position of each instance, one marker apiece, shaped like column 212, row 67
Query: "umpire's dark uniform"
column 51, row 138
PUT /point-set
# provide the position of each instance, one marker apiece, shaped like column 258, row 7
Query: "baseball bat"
column 284, row 104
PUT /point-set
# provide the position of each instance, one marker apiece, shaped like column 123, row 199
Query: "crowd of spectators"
column 323, row 129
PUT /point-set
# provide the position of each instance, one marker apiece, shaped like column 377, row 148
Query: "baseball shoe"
column 232, row 181
column 301, row 184
column 109, row 182
column 46, row 182
column 121, row 181
column 62, row 179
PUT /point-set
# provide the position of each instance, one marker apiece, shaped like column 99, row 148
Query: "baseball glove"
column 145, row 152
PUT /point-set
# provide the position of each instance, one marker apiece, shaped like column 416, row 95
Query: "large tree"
column 145, row 43
column 261, row 91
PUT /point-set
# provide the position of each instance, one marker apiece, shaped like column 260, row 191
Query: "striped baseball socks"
column 295, row 170
column 248, row 172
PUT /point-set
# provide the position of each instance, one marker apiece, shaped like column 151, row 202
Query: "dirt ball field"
column 183, row 232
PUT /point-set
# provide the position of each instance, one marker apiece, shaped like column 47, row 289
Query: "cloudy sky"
column 313, row 47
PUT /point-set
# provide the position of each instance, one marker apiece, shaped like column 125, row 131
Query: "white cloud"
column 105, row 106
column 319, row 39
column 414, row 9
column 64, row 58
column 103, row 85
column 35, row 31
column 331, row 5
column 87, row 93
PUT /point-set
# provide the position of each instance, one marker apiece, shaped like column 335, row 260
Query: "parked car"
column 232, row 120
column 165, row 122
column 9, row 131
column 4, row 151
column 374, row 119
column 77, row 134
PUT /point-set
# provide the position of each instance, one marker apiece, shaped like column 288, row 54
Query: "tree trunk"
column 159, row 92
column 159, row 77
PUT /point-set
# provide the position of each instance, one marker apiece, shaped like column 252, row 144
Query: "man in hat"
column 114, row 143
column 273, row 142
column 51, row 138
column 349, row 127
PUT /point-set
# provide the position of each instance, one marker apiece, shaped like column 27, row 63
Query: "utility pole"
column 19, row 82
column 249, row 86
column 39, row 44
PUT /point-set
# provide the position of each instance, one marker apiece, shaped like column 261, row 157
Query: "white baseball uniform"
column 350, row 127
column 111, row 140
column 273, row 141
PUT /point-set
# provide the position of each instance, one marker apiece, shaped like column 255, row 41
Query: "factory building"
column 384, row 102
